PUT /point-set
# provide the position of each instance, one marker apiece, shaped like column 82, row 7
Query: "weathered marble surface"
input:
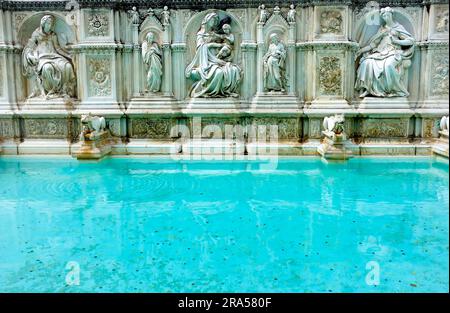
column 152, row 71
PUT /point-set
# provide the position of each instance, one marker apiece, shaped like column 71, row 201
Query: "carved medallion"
column 99, row 76
column 98, row 25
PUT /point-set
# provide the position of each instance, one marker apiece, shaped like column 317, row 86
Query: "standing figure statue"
column 385, row 59
column 152, row 56
column 165, row 16
column 291, row 14
column 274, row 65
column 214, row 75
column 52, row 67
column 134, row 16
column 263, row 14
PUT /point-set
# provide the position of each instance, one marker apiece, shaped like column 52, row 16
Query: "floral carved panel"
column 441, row 22
column 288, row 128
column 385, row 128
column 46, row 128
column 99, row 75
column 330, row 76
column 97, row 24
column 6, row 128
column 155, row 128
column 439, row 75
column 331, row 22
column 2, row 72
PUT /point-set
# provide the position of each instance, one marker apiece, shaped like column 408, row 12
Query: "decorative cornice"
column 82, row 47
column 39, row 5
column 328, row 45
column 435, row 45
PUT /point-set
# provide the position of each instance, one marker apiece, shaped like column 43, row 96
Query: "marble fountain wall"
column 153, row 105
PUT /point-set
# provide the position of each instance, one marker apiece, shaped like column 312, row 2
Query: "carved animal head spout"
column 334, row 124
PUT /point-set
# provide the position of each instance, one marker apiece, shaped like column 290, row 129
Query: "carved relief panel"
column 439, row 74
column 46, row 128
column 99, row 76
column 385, row 127
column 2, row 74
column 330, row 22
column 438, row 28
column 97, row 25
column 329, row 75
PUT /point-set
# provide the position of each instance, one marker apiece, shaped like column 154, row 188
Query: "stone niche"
column 167, row 75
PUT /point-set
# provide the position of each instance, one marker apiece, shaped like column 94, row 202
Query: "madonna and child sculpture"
column 211, row 69
column 48, row 64
column 385, row 59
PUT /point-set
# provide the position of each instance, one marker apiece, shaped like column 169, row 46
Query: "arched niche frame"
column 194, row 24
column 368, row 25
column 66, row 34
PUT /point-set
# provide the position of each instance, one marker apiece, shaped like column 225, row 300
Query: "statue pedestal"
column 213, row 104
column 95, row 147
column 274, row 101
column 152, row 104
column 41, row 105
column 394, row 103
column 333, row 147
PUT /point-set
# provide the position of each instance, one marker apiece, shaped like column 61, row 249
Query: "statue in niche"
column 274, row 65
column 165, row 16
column 263, row 14
column 385, row 59
column 211, row 69
column 291, row 14
column 152, row 56
column 51, row 66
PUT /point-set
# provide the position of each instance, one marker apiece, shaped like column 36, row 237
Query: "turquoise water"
column 155, row 225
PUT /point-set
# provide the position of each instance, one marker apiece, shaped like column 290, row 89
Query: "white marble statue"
column 134, row 16
column 334, row 124
column 263, row 14
column 274, row 65
column 385, row 59
column 165, row 16
column 291, row 14
column 48, row 64
column 92, row 125
column 212, row 72
column 152, row 56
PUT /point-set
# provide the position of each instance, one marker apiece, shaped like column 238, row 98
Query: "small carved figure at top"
column 274, row 65
column 263, row 14
column 381, row 71
column 134, row 16
column 291, row 14
column 45, row 60
column 165, row 16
